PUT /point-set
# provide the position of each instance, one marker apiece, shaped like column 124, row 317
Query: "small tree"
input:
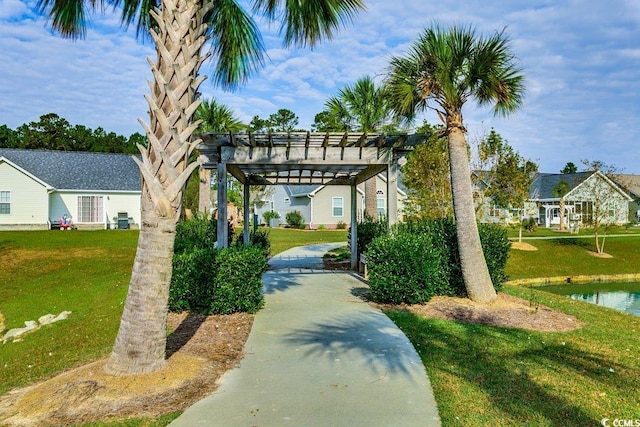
column 602, row 192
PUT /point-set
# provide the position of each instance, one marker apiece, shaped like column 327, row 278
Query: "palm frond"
column 236, row 44
column 68, row 17
column 306, row 23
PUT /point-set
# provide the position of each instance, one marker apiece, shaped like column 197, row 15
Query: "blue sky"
column 581, row 60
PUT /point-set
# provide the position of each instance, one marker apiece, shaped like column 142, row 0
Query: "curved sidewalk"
column 319, row 356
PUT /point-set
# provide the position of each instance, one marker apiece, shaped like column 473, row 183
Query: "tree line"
column 53, row 132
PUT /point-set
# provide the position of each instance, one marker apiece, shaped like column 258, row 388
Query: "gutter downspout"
column 310, row 196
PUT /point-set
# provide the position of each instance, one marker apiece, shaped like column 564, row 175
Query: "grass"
column 43, row 272
column 512, row 231
column 481, row 375
column 570, row 257
column 484, row 375
column 287, row 238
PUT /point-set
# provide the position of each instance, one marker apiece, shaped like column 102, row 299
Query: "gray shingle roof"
column 542, row 187
column 70, row 170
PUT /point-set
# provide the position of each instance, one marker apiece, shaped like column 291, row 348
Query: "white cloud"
column 581, row 61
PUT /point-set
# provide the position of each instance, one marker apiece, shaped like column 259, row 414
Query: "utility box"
column 123, row 221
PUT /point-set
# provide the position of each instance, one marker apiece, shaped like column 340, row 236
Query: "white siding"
column 29, row 199
column 322, row 205
column 66, row 202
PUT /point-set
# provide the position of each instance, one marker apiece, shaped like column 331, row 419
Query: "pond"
column 620, row 296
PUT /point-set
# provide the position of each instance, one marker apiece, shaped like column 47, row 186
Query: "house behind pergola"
column 304, row 158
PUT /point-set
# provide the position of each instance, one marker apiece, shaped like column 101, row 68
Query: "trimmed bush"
column 258, row 238
column 341, row 225
column 435, row 242
column 368, row 230
column 404, row 267
column 224, row 281
column 295, row 219
column 198, row 232
column 269, row 215
column 191, row 288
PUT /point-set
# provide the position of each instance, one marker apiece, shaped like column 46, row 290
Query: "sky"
column 581, row 60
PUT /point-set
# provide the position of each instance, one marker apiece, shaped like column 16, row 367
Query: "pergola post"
column 223, row 225
column 392, row 193
column 246, row 213
column 354, row 227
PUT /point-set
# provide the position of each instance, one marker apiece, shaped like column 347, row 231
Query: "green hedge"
column 198, row 232
column 404, row 267
column 211, row 281
column 420, row 259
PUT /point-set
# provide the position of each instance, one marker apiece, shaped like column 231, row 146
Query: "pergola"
column 304, row 158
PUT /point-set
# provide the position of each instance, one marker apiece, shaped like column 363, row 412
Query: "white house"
column 589, row 197
column 324, row 205
column 37, row 187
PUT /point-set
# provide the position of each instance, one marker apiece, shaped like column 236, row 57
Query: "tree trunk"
column 562, row 208
column 204, row 203
column 141, row 342
column 371, row 198
column 474, row 267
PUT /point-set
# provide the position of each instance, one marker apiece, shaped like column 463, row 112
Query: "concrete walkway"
column 319, row 356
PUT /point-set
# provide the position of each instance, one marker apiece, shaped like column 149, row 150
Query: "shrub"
column 191, row 288
column 198, row 232
column 238, row 280
column 295, row 219
column 258, row 238
column 269, row 215
column 530, row 224
column 224, row 281
column 341, row 225
column 441, row 245
column 368, row 230
column 405, row 267
column 322, row 227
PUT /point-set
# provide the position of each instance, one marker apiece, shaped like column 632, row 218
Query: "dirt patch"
column 602, row 255
column 506, row 311
column 523, row 246
column 330, row 264
column 200, row 350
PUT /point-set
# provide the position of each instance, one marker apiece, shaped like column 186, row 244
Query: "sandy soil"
column 523, row 246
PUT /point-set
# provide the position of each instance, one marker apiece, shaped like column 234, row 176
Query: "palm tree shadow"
column 183, row 333
column 368, row 338
column 460, row 353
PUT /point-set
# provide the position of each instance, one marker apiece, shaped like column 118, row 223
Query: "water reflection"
column 619, row 296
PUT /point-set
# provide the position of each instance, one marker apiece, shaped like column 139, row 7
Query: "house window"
column 5, row 202
column 381, row 207
column 337, row 206
column 90, row 209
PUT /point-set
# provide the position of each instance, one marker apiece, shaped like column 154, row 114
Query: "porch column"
column 354, row 227
column 223, row 229
column 246, row 214
column 392, row 193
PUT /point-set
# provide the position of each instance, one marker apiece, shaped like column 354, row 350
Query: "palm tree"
column 443, row 70
column 364, row 107
column 179, row 29
column 214, row 117
column 217, row 117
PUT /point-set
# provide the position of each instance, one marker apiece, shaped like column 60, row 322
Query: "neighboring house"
column 588, row 196
column 37, row 187
column 632, row 184
column 323, row 205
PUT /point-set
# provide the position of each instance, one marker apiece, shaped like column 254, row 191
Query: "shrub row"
column 216, row 281
column 419, row 259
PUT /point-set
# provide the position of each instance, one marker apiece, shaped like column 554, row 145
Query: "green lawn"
column 570, row 257
column 43, row 272
column 481, row 375
column 513, row 231
column 286, row 238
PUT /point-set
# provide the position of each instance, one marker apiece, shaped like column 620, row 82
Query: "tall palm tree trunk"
column 141, row 341
column 474, row 267
column 370, row 198
column 204, row 203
